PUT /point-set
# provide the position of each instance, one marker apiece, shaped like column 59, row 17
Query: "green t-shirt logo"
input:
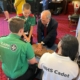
column 13, row 47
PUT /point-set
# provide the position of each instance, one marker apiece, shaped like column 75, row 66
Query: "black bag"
column 57, row 11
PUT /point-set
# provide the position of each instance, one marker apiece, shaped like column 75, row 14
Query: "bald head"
column 46, row 14
column 45, row 17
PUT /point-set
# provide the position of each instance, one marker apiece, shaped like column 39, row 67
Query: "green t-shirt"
column 14, row 54
column 30, row 21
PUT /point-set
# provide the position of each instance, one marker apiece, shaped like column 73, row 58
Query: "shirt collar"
column 14, row 35
column 47, row 24
column 61, row 57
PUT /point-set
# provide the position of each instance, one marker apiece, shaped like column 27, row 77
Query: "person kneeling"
column 17, row 56
column 61, row 65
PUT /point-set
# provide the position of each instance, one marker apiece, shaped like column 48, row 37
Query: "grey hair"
column 48, row 16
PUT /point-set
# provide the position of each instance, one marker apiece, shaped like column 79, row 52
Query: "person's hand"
column 28, row 39
column 14, row 7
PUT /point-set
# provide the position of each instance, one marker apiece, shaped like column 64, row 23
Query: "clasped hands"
column 39, row 47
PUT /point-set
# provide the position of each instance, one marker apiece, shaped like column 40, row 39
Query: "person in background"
column 29, row 21
column 3, row 5
column 46, row 30
column 32, row 3
column 61, row 65
column 78, row 37
column 17, row 56
column 35, row 6
column 45, row 4
column 18, row 6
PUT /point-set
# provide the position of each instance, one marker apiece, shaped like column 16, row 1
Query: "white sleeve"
column 42, row 60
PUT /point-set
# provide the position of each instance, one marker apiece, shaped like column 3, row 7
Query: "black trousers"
column 35, row 6
column 3, row 5
column 32, row 3
column 29, row 74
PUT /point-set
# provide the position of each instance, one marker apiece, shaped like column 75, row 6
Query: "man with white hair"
column 46, row 30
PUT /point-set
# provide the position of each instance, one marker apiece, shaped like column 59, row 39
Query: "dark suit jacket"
column 51, row 31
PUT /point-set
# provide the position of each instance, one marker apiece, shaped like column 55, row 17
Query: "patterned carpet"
column 63, row 28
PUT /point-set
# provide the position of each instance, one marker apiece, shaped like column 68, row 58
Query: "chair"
column 73, row 19
column 78, row 27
